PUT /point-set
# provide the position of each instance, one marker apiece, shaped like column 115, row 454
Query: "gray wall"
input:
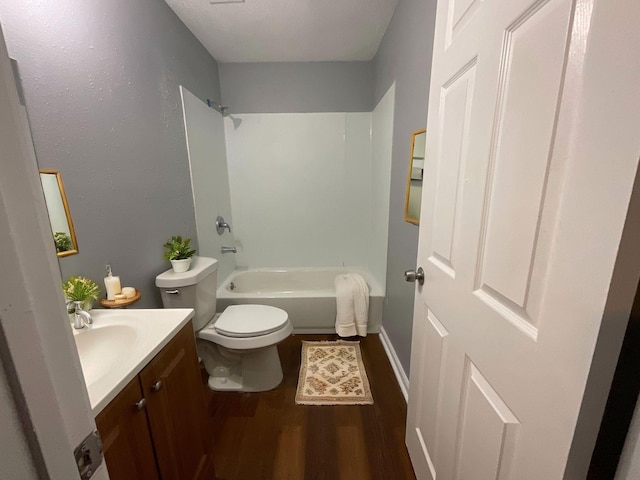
column 101, row 81
column 297, row 87
column 404, row 57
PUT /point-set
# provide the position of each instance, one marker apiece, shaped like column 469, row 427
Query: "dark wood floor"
column 266, row 436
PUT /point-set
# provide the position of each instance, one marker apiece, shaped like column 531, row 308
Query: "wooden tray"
column 120, row 303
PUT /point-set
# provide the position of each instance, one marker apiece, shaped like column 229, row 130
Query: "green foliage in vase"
column 81, row 289
column 62, row 241
column 178, row 249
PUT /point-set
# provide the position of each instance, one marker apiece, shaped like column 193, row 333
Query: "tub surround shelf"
column 124, row 303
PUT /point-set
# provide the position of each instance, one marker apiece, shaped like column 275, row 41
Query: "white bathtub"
column 308, row 295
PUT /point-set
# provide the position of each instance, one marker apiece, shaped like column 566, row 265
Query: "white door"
column 531, row 159
column 43, row 398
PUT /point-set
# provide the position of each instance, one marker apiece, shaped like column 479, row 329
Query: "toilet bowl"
column 238, row 347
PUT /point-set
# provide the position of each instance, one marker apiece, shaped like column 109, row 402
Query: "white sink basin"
column 101, row 348
column 119, row 344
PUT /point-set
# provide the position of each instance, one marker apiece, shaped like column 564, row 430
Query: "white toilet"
column 238, row 346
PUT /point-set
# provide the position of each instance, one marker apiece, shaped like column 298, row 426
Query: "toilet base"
column 225, row 384
column 244, row 370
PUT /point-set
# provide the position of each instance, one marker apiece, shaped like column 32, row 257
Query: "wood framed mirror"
column 413, row 196
column 64, row 235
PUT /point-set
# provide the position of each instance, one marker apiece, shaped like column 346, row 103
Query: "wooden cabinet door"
column 126, row 441
column 176, row 409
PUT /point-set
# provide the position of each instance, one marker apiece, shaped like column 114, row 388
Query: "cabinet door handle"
column 156, row 386
column 140, row 404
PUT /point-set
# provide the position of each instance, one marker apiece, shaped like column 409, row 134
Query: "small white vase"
column 180, row 266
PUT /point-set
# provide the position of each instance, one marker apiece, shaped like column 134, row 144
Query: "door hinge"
column 89, row 455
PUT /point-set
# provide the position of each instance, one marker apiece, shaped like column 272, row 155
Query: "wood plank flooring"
column 262, row 436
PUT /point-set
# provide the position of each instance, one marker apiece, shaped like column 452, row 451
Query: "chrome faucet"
column 229, row 250
column 81, row 318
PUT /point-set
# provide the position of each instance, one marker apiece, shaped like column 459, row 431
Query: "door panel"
column 427, row 351
column 435, row 348
column 126, row 441
column 460, row 13
column 487, row 429
column 519, row 159
column 455, row 109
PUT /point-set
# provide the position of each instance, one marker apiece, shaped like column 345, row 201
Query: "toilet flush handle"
column 172, row 292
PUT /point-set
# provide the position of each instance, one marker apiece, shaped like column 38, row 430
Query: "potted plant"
column 80, row 289
column 63, row 242
column 179, row 252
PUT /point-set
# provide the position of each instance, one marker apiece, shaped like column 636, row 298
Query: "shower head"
column 217, row 107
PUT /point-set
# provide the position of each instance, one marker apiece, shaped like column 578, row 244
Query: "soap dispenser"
column 112, row 284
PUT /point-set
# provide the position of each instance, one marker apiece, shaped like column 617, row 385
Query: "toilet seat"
column 242, row 321
column 210, row 334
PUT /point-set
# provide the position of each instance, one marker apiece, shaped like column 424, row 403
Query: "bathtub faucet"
column 221, row 225
column 229, row 250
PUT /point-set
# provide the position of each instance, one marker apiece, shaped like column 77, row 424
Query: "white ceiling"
column 287, row 30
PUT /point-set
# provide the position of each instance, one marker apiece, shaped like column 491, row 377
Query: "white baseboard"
column 403, row 381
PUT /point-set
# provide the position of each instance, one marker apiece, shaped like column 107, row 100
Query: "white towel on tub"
column 352, row 305
column 361, row 302
column 345, row 307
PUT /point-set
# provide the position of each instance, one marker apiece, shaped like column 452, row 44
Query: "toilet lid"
column 250, row 320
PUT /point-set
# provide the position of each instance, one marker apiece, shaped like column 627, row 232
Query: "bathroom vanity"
column 153, row 422
column 161, row 410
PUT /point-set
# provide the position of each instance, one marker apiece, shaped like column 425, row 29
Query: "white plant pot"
column 180, row 266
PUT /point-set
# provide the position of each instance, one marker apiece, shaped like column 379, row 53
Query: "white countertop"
column 120, row 343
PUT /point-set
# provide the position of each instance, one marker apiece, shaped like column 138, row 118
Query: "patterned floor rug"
column 332, row 373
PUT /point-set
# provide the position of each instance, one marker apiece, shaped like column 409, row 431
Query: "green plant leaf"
column 178, row 249
column 81, row 289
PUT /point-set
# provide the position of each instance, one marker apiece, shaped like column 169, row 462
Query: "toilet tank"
column 195, row 288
